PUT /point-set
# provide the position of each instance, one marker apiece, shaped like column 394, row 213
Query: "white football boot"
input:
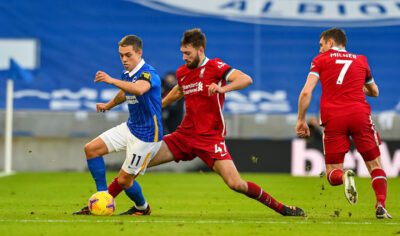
column 381, row 212
column 350, row 190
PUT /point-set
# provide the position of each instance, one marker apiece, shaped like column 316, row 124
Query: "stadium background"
column 63, row 43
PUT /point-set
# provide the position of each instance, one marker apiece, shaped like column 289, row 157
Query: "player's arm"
column 371, row 89
column 238, row 80
column 118, row 99
column 302, row 129
column 174, row 95
column 138, row 88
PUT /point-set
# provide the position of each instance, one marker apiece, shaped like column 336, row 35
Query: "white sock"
column 142, row 207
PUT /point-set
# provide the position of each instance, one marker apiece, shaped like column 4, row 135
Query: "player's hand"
column 214, row 88
column 103, row 77
column 102, row 107
column 302, row 129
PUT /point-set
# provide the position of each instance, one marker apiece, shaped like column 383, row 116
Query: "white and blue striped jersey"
column 145, row 119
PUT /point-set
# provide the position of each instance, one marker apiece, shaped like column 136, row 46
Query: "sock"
column 379, row 184
column 135, row 194
column 335, row 177
column 98, row 170
column 254, row 191
column 114, row 188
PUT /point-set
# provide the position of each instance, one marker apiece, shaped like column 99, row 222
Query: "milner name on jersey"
column 347, row 55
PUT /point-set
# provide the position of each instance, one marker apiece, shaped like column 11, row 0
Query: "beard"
column 195, row 63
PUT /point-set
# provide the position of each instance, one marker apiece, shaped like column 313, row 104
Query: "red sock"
column 335, row 177
column 114, row 188
column 379, row 184
column 254, row 191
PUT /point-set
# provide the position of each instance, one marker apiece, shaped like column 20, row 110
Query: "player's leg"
column 379, row 184
column 112, row 140
column 134, row 192
column 336, row 143
column 163, row 155
column 138, row 156
column 367, row 140
column 94, row 151
column 227, row 170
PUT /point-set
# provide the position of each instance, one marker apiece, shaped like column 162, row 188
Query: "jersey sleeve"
column 223, row 69
column 146, row 76
column 179, row 75
column 315, row 68
column 368, row 77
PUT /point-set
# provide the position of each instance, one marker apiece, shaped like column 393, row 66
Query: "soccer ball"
column 101, row 204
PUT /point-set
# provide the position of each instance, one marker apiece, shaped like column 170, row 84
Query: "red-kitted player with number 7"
column 345, row 79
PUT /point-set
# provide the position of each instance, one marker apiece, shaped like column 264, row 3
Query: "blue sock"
column 98, row 170
column 135, row 194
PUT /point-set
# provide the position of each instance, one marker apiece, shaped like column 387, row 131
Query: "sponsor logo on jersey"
column 183, row 78
column 131, row 99
column 146, row 76
column 192, row 88
column 316, row 13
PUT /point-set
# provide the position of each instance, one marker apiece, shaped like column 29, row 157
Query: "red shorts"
column 337, row 134
column 186, row 146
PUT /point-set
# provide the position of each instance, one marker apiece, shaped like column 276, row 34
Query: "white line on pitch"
column 200, row 222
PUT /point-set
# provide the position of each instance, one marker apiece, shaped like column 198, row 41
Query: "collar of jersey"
column 136, row 69
column 204, row 61
column 338, row 49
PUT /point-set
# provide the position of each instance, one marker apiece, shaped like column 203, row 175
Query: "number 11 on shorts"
column 219, row 147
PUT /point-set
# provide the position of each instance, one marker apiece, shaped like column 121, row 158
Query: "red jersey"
column 203, row 112
column 342, row 75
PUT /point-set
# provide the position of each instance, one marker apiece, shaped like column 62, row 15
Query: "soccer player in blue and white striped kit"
column 140, row 136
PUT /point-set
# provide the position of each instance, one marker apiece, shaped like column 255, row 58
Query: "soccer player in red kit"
column 203, row 82
column 345, row 79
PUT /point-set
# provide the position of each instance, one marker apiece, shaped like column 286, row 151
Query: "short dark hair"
column 338, row 35
column 195, row 38
column 132, row 40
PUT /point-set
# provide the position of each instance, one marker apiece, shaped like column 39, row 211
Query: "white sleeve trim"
column 314, row 73
column 230, row 72
column 370, row 81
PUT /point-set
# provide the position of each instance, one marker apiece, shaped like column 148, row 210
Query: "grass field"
column 191, row 204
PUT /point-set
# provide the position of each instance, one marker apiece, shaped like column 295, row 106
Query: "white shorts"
column 138, row 153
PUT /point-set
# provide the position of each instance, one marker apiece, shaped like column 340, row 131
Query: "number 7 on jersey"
column 346, row 66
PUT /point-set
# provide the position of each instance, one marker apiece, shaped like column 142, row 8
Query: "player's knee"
column 238, row 186
column 124, row 182
column 89, row 151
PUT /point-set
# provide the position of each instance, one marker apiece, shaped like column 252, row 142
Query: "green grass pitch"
column 192, row 204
